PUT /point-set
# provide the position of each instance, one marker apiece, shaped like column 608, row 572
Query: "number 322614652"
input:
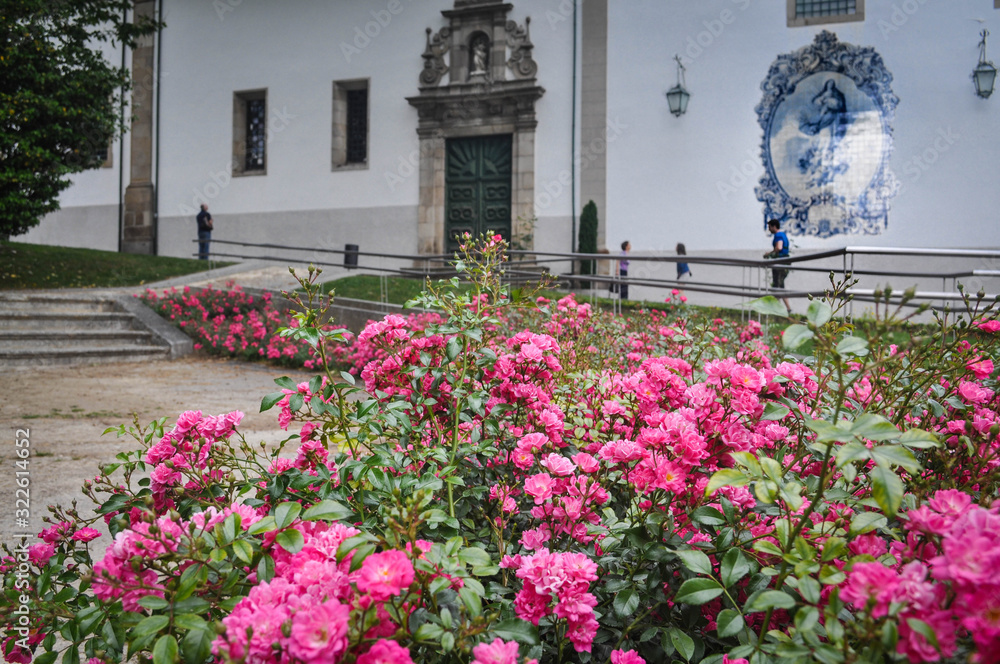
column 22, row 479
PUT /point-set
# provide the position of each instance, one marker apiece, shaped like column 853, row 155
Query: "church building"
column 397, row 125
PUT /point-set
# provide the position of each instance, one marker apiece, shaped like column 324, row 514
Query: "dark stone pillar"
column 138, row 225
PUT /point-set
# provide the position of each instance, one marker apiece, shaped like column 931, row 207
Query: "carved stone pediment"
column 487, row 60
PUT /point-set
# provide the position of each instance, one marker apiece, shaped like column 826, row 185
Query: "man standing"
column 204, row 231
column 779, row 249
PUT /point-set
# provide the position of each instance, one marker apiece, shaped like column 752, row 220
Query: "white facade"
column 668, row 179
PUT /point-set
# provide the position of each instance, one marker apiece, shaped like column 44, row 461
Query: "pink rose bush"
column 514, row 485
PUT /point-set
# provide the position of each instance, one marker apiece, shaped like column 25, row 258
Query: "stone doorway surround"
column 486, row 94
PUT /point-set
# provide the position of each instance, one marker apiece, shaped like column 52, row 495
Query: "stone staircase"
column 41, row 329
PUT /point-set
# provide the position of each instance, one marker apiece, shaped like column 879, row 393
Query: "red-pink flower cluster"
column 558, row 584
column 946, row 576
column 304, row 614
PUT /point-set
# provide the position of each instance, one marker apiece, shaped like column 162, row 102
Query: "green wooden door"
column 477, row 187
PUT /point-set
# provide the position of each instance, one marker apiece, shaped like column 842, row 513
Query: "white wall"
column 668, row 177
column 296, row 50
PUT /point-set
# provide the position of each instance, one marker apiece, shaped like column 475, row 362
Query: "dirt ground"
column 66, row 409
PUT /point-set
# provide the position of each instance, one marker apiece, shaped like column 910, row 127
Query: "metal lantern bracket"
column 985, row 74
column 678, row 96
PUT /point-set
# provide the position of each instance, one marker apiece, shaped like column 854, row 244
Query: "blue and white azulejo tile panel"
column 827, row 115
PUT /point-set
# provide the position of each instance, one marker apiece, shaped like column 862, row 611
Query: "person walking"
column 779, row 249
column 204, row 220
column 623, row 269
column 683, row 270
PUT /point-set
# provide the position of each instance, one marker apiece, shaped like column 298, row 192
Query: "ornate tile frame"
column 868, row 212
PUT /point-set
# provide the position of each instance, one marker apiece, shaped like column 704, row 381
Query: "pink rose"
column 586, row 462
column 386, row 652
column 319, row 634
column 558, row 465
column 539, row 487
column 626, row 657
column 85, row 535
column 498, row 652
column 384, row 575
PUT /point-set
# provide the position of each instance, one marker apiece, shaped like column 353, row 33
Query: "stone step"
column 18, row 339
column 13, row 302
column 59, row 321
column 36, row 357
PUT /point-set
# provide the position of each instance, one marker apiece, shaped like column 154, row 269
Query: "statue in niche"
column 480, row 55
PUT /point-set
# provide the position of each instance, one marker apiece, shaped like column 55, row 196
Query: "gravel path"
column 66, row 409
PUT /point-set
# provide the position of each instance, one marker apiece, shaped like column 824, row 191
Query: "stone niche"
column 478, row 79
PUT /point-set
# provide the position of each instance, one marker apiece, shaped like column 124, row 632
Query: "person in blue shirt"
column 779, row 249
column 204, row 220
column 623, row 269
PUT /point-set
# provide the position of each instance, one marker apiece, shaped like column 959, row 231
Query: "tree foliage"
column 60, row 98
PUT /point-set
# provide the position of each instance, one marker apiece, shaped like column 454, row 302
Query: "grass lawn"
column 41, row 266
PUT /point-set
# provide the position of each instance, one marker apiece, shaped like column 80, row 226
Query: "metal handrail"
column 542, row 260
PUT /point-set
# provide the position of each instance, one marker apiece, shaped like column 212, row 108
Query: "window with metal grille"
column 812, row 12
column 250, row 132
column 825, row 7
column 357, row 126
column 350, row 124
column 256, row 135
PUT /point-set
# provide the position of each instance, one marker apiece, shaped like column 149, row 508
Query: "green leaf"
column 517, row 630
column 795, row 336
column 243, row 551
column 150, row 625
column 866, row 522
column 768, row 306
column 887, row 490
column 153, row 603
column 770, row 599
column 165, row 650
column 698, row 591
column 452, row 348
column 286, row 382
column 285, row 513
column 819, row 313
column 708, row 516
column 328, row 510
column 874, row 427
column 265, row 525
column 290, row 540
column 774, row 411
column 474, row 557
column 729, row 623
column 768, row 548
column 265, row 569
column 696, row 561
column 197, row 646
column 626, row 602
column 267, row 403
column 190, row 621
column 682, row 642
column 734, row 567
column 895, row 455
column 851, row 345
column 809, row 589
column 472, row 601
column 725, row 477
column 919, row 439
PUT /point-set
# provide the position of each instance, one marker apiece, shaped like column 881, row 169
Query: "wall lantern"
column 678, row 96
column 985, row 74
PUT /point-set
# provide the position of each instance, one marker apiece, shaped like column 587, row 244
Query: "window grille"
column 256, row 134
column 357, row 126
column 804, row 8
